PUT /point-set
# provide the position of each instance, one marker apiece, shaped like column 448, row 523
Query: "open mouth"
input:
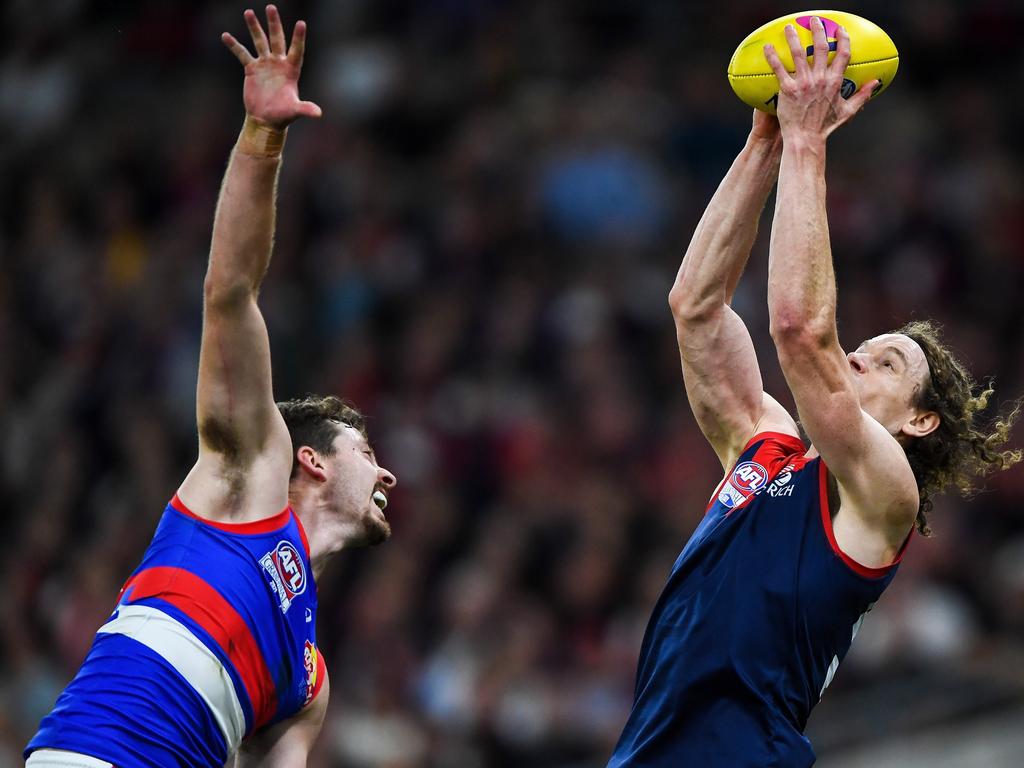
column 380, row 500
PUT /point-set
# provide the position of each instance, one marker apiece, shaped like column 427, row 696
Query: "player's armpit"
column 235, row 410
column 287, row 744
column 245, row 453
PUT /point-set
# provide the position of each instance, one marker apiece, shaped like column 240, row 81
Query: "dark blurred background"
column 475, row 244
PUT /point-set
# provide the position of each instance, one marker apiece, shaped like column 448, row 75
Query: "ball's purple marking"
column 831, row 31
column 831, row 27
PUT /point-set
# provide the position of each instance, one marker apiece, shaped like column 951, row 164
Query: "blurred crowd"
column 475, row 245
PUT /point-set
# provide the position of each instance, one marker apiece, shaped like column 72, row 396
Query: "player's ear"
column 923, row 423
column 311, row 463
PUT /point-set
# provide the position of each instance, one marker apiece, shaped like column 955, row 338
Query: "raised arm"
column 723, row 382
column 871, row 467
column 244, row 447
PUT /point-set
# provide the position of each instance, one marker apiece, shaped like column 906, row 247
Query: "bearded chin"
column 375, row 532
column 383, row 529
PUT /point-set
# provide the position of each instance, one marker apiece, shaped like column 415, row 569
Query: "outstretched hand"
column 271, row 89
column 810, row 102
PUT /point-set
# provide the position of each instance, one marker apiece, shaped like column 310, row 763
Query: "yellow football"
column 872, row 55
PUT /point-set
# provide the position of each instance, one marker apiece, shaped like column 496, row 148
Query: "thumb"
column 309, row 109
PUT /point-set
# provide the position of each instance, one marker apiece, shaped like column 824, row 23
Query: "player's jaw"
column 360, row 509
column 361, row 491
column 376, row 528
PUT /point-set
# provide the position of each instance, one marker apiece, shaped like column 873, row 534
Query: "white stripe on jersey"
column 59, row 758
column 173, row 641
column 835, row 659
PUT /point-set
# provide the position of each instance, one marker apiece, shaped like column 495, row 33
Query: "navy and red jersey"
column 760, row 608
column 213, row 637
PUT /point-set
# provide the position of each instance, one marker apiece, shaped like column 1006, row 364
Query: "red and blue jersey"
column 213, row 638
column 760, row 609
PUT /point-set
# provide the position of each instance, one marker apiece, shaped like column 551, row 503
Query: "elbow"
column 795, row 328
column 219, row 293
column 784, row 323
column 678, row 301
column 688, row 307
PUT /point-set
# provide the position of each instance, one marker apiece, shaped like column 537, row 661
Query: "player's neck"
column 327, row 535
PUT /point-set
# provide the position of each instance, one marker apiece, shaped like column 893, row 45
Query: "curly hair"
column 314, row 420
column 959, row 450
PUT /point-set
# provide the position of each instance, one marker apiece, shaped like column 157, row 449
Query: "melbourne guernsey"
column 759, row 610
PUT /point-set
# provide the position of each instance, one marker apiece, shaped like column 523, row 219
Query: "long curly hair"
column 314, row 420
column 959, row 450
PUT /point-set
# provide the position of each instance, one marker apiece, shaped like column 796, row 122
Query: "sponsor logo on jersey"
column 747, row 479
column 309, row 662
column 285, row 573
column 780, row 486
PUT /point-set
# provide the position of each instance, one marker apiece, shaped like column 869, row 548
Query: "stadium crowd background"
column 475, row 245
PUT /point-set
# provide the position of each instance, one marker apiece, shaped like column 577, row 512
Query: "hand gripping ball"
column 872, row 55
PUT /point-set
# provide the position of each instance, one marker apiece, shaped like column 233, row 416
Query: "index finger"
column 297, row 51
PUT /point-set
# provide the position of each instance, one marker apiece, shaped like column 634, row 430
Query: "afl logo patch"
column 284, row 570
column 289, row 565
column 747, row 479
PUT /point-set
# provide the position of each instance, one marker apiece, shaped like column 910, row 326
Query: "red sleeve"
column 775, row 445
column 756, row 468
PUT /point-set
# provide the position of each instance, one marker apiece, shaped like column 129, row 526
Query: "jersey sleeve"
column 772, row 450
column 763, row 457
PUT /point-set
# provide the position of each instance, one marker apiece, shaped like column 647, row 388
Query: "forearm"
column 801, row 280
column 243, row 227
column 721, row 244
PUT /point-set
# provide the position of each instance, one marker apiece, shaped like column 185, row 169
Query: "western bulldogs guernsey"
column 213, row 638
column 759, row 610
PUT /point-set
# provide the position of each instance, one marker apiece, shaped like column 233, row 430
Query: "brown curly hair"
column 313, row 420
column 959, row 450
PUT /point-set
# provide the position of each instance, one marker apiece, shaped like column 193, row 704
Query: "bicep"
column 235, row 410
column 723, row 383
